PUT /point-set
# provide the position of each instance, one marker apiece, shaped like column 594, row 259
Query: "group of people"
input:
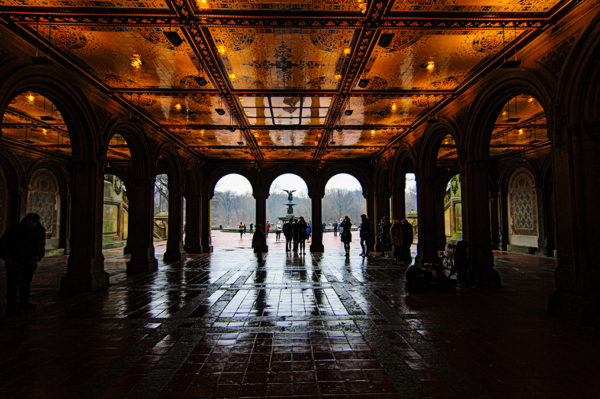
column 295, row 231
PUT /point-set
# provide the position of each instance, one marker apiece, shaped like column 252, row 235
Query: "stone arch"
column 216, row 174
column 172, row 165
column 523, row 205
column 69, row 99
column 498, row 89
column 352, row 170
column 430, row 145
column 136, row 142
column 302, row 172
column 14, row 176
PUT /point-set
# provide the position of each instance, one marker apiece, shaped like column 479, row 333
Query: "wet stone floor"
column 220, row 325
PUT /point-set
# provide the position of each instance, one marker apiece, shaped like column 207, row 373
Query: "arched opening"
column 232, row 212
column 43, row 198
column 115, row 208
column 288, row 197
column 520, row 137
column 343, row 197
column 447, row 162
column 160, row 228
column 410, row 201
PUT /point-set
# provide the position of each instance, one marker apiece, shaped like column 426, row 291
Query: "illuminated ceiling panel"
column 281, row 5
column 224, row 153
column 362, row 152
column 289, row 154
column 282, row 58
column 432, row 59
column 208, row 137
column 172, row 110
column 291, row 138
column 369, row 137
column 475, row 5
column 118, row 149
column 399, row 111
column 286, row 111
column 146, row 4
column 131, row 57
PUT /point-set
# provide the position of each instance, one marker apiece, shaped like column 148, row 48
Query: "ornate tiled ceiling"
column 297, row 80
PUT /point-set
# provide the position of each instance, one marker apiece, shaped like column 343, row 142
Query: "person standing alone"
column 21, row 247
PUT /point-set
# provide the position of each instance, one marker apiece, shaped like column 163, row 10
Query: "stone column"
column 476, row 222
column 192, row 223
column 205, row 240
column 399, row 198
column 173, row 251
column 370, row 197
column 316, row 243
column 576, row 173
column 141, row 226
column 382, row 208
column 426, row 205
column 504, row 222
column 85, row 267
column 495, row 220
column 261, row 209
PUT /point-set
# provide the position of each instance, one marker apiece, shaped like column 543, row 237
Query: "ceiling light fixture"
column 136, row 61
column 394, row 106
column 347, row 51
column 430, row 65
column 178, row 107
column 30, row 98
column 220, row 111
column 363, row 83
column 201, row 81
column 174, row 38
column 337, row 77
column 385, row 39
column 221, row 49
column 348, row 112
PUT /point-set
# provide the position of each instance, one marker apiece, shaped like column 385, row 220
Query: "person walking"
column 365, row 235
column 268, row 228
column 259, row 242
column 335, row 228
column 21, row 247
column 278, row 231
column 346, row 234
column 396, row 239
column 287, row 233
column 251, row 227
column 241, row 229
column 301, row 234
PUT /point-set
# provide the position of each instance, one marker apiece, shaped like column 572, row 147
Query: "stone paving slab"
column 221, row 325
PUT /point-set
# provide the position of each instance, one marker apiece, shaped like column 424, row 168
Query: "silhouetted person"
column 22, row 246
column 397, row 240
column 251, row 227
column 335, row 227
column 301, row 234
column 384, row 234
column 278, row 231
column 259, row 242
column 407, row 240
column 365, row 234
column 295, row 235
column 287, row 233
column 346, row 234
column 241, row 229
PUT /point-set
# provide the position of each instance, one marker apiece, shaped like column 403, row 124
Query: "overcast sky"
column 239, row 184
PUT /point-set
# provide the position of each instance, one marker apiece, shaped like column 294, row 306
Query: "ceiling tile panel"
column 432, row 59
column 474, row 5
column 398, row 111
column 224, row 153
column 336, row 154
column 208, row 137
column 287, row 137
column 131, row 57
column 146, row 4
column 289, row 154
column 291, row 58
column 369, row 137
column 173, row 110
column 281, row 5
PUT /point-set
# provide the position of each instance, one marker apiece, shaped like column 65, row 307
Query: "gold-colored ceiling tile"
column 209, row 137
column 192, row 109
column 398, row 111
column 295, row 153
column 368, row 137
column 281, row 5
column 225, row 153
column 336, row 154
column 474, row 5
column 87, row 3
column 267, row 58
column 131, row 57
column 432, row 59
column 286, row 111
column 287, row 137
column 118, row 149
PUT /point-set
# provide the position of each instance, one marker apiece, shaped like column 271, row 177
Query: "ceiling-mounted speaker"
column 363, row 83
column 385, row 39
column 348, row 112
column 41, row 60
column 511, row 64
column 201, row 81
column 338, row 129
column 174, row 38
column 220, row 111
column 47, row 118
column 513, row 120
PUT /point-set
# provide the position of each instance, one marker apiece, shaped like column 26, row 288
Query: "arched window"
column 522, row 209
column 43, row 199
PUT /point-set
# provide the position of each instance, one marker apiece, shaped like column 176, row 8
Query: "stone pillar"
column 382, row 208
column 399, row 198
column 427, row 220
column 576, row 173
column 141, row 226
column 173, row 251
column 476, row 222
column 370, row 197
column 205, row 240
column 504, row 222
column 316, row 243
column 261, row 209
column 495, row 220
column 192, row 223
column 542, row 234
column 85, row 267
